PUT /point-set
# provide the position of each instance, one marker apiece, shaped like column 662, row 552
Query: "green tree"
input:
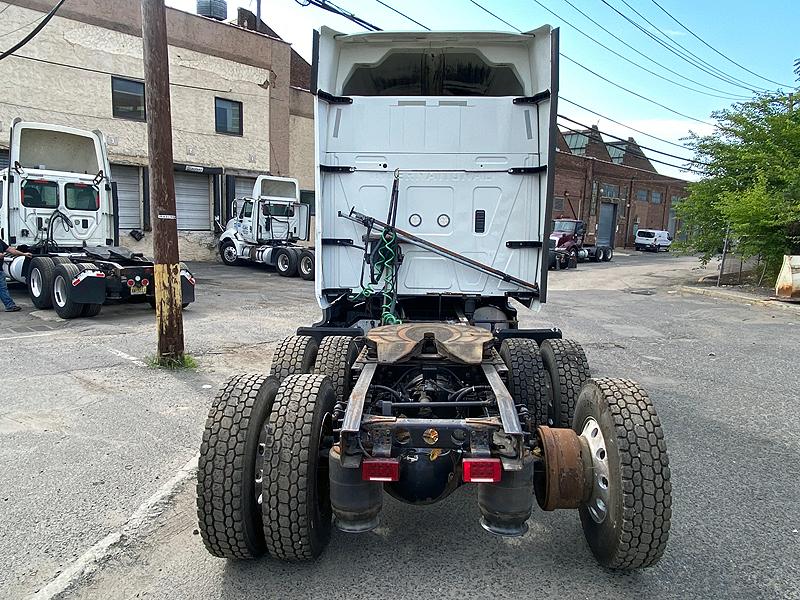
column 752, row 181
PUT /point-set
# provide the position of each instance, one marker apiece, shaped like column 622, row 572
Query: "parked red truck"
column 570, row 244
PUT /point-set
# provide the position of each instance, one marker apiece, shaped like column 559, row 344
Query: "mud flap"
column 90, row 290
column 187, row 288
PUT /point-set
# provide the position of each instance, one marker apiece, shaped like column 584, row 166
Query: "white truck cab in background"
column 267, row 226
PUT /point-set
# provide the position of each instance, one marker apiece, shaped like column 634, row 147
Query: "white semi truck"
column 266, row 227
column 59, row 203
column 435, row 158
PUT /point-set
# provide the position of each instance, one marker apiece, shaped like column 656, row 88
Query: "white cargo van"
column 653, row 239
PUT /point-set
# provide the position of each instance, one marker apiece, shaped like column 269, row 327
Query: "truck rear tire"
column 597, row 256
column 230, row 469
column 227, row 252
column 526, row 377
column 40, row 282
column 608, row 254
column 630, row 529
column 296, row 510
column 286, row 262
column 295, row 355
column 306, row 265
column 567, row 370
column 336, row 355
column 64, row 305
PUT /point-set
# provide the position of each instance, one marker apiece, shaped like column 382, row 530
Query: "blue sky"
column 759, row 35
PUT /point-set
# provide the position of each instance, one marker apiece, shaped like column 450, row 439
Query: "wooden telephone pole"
column 169, row 314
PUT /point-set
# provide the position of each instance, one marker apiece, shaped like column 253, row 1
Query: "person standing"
column 7, row 300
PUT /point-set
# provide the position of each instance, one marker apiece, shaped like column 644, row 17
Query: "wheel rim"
column 36, row 283
column 306, row 265
column 229, row 254
column 598, row 504
column 60, row 291
column 283, row 262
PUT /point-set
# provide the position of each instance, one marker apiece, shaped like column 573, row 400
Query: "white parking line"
column 28, row 335
column 115, row 542
column 126, row 356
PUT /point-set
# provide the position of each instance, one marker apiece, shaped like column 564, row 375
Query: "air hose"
column 384, row 261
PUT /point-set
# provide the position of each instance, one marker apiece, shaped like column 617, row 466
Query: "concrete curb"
column 739, row 297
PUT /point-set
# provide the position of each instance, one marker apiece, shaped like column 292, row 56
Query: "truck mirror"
column 235, row 208
column 265, row 209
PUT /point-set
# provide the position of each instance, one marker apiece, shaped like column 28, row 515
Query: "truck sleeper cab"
column 434, row 189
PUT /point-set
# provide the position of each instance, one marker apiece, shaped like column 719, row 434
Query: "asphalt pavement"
column 91, row 440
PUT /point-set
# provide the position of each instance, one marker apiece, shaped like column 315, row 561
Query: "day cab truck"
column 570, row 243
column 267, row 227
column 59, row 203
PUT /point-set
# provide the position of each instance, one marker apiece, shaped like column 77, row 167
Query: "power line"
column 621, row 124
column 34, row 32
column 337, row 10
column 647, row 57
column 725, row 56
column 684, row 48
column 608, row 80
column 694, row 63
column 625, row 58
column 101, row 72
column 502, row 20
column 21, row 27
column 638, row 95
column 7, row 6
column 587, row 127
column 402, row 14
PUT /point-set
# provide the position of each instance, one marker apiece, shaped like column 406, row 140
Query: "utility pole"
column 258, row 15
column 169, row 314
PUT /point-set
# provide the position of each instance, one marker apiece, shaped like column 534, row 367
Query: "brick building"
column 615, row 178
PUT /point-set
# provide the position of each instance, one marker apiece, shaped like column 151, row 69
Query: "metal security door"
column 606, row 224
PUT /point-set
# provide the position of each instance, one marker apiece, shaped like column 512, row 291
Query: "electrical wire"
column 638, row 95
column 639, row 131
column 646, row 56
column 21, row 27
column 730, row 81
column 7, row 6
column 588, row 127
column 633, row 62
column 685, row 49
column 332, row 8
column 402, row 14
column 502, row 20
column 723, row 55
column 101, row 72
column 34, row 32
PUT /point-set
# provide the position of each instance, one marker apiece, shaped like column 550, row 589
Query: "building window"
column 558, row 204
column 307, row 197
column 641, row 195
column 676, row 199
column 228, row 116
column 609, row 191
column 127, row 99
column 655, row 197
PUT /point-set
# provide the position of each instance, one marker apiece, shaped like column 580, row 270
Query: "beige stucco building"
column 240, row 105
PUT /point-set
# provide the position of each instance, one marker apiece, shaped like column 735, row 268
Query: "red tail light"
column 482, row 470
column 145, row 282
column 131, row 283
column 380, row 469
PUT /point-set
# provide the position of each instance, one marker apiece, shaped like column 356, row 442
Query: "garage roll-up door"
column 129, row 194
column 192, row 200
column 3, row 159
column 244, row 186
